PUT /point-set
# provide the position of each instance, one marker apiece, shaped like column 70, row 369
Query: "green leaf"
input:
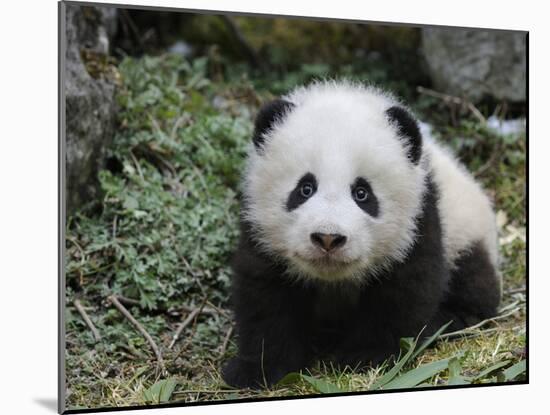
column 514, row 371
column 321, row 385
column 161, row 391
column 430, row 340
column 167, row 389
column 490, row 369
column 139, row 213
column 290, row 379
column 138, row 373
column 406, row 343
column 232, row 396
column 455, row 378
column 415, row 376
column 390, row 374
column 130, row 202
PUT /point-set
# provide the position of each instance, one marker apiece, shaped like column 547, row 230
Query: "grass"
column 162, row 235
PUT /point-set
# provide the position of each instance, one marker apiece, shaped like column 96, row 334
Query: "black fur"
column 408, row 129
column 272, row 111
column 370, row 205
column 295, row 198
column 473, row 293
column 285, row 325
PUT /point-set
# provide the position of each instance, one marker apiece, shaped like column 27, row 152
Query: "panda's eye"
column 360, row 194
column 307, row 190
column 302, row 192
column 364, row 196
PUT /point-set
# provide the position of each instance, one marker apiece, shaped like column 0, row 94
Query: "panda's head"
column 335, row 181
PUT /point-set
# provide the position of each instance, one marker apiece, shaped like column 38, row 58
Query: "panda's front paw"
column 243, row 374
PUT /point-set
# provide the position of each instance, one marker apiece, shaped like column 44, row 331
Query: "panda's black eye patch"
column 304, row 190
column 364, row 197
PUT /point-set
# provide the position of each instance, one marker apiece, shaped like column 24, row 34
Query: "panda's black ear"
column 408, row 130
column 268, row 115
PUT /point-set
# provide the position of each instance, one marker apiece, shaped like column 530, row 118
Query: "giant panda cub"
column 356, row 231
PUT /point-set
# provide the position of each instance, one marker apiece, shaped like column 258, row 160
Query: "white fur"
column 466, row 212
column 338, row 132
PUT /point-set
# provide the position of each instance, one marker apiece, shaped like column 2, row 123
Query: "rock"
column 89, row 98
column 181, row 48
column 475, row 63
column 514, row 127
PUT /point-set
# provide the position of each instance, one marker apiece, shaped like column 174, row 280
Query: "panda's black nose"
column 328, row 242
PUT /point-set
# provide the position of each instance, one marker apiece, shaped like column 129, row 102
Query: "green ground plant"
column 161, row 236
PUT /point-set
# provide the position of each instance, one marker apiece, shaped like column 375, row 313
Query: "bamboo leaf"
column 415, row 376
column 161, row 391
column 167, row 389
column 455, row 377
column 321, row 385
column 514, row 371
column 390, row 374
column 490, row 369
column 430, row 340
column 290, row 379
column 410, row 355
column 317, row 384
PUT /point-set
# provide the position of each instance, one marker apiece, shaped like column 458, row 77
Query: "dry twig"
column 127, row 301
column 450, row 99
column 114, row 300
column 507, row 307
column 472, row 334
column 128, row 25
column 114, row 226
column 515, row 290
column 87, row 320
column 195, row 277
column 497, row 152
column 205, row 310
column 246, row 47
column 136, row 163
column 219, row 310
column 212, row 310
column 221, row 391
column 469, row 330
column 190, row 317
column 226, row 341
